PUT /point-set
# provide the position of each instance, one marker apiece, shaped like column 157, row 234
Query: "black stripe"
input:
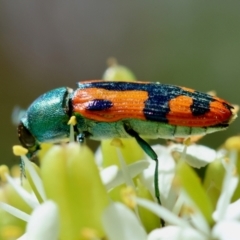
column 99, row 104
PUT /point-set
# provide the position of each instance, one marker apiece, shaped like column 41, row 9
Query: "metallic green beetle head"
column 46, row 120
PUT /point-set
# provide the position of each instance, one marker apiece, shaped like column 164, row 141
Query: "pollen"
column 187, row 141
column 89, row 234
column 128, row 197
column 226, row 160
column 19, row 150
column 187, row 210
column 72, row 121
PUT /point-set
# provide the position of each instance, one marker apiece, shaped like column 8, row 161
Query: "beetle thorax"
column 47, row 117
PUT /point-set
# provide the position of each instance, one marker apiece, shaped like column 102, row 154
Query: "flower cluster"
column 76, row 194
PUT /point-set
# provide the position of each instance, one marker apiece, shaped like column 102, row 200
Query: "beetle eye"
column 26, row 138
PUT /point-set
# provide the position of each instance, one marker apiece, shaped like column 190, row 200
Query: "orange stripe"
column 126, row 104
column 219, row 112
column 180, row 113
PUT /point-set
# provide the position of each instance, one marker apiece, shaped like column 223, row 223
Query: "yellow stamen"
column 72, row 121
column 176, row 182
column 195, row 139
column 3, row 171
column 89, row 234
column 19, row 150
column 187, row 141
column 116, row 142
column 187, row 210
column 128, row 197
column 226, row 160
column 176, row 155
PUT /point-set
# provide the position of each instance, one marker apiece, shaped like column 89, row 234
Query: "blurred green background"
column 47, row 44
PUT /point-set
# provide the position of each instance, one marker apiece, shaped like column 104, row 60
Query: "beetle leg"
column 150, row 152
column 80, row 138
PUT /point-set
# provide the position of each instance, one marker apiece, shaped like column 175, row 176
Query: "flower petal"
column 44, row 222
column 134, row 169
column 197, row 155
column 226, row 230
column 120, row 223
column 71, row 178
column 23, row 237
column 35, row 178
column 230, row 183
column 175, row 233
column 166, row 174
column 99, row 157
column 25, row 195
column 108, row 174
column 14, row 211
column 233, row 211
column 194, row 191
column 162, row 212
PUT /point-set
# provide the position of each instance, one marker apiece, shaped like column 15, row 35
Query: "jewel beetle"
column 106, row 109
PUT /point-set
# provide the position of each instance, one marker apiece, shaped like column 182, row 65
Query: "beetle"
column 106, row 109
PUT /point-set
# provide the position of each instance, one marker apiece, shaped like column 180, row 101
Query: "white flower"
column 227, row 215
column 43, row 223
column 196, row 155
column 176, row 233
column 121, row 223
column 166, row 172
column 113, row 177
